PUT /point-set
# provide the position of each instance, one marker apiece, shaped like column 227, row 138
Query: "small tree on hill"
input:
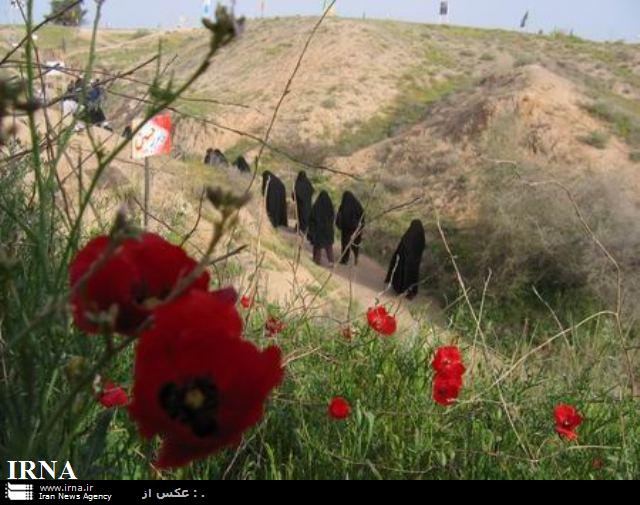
column 72, row 17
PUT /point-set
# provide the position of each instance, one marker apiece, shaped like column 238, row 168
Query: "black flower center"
column 148, row 300
column 194, row 403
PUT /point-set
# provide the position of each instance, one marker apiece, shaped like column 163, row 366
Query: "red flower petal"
column 129, row 284
column 113, row 396
column 566, row 433
column 448, row 361
column 339, row 409
column 246, row 302
column 567, row 421
column 111, row 288
column 446, row 389
column 198, row 385
column 212, row 314
column 163, row 265
column 381, row 321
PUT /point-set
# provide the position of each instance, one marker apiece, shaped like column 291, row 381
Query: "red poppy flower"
column 446, row 389
column 567, row 421
column 339, row 409
column 125, row 288
column 448, row 361
column 274, row 326
column 246, row 302
column 113, row 396
column 381, row 321
column 198, row 385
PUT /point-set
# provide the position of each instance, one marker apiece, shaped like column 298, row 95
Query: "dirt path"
column 363, row 285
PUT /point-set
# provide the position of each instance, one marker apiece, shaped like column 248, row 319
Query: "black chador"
column 303, row 197
column 215, row 157
column 321, row 232
column 276, row 197
column 350, row 221
column 242, row 165
column 404, row 270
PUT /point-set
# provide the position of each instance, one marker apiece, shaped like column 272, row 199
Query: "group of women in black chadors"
column 318, row 220
column 216, row 158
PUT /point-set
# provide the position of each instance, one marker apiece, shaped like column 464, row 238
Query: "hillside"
column 405, row 112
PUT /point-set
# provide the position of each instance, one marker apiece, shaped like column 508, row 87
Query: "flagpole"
column 147, row 191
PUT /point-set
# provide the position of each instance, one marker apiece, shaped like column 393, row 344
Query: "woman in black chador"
column 303, row 197
column 215, row 157
column 405, row 265
column 276, row 197
column 242, row 165
column 350, row 221
column 321, row 228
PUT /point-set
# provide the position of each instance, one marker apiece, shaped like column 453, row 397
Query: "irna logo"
column 40, row 470
column 18, row 492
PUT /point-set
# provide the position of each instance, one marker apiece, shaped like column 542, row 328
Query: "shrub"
column 596, row 139
column 623, row 123
column 523, row 60
column 138, row 34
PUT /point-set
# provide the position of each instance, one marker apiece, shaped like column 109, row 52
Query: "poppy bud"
column 225, row 201
column 76, row 368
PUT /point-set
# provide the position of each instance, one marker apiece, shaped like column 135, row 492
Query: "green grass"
column 277, row 50
column 624, row 123
column 409, row 108
column 568, row 38
column 240, row 148
column 596, row 139
column 140, row 33
column 396, row 430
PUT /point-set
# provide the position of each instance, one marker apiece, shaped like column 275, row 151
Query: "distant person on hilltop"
column 350, row 221
column 275, row 194
column 404, row 270
column 303, row 198
column 321, row 228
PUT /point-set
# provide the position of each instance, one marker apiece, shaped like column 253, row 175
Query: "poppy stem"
column 87, row 380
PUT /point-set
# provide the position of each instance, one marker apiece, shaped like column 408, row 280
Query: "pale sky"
column 594, row 19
